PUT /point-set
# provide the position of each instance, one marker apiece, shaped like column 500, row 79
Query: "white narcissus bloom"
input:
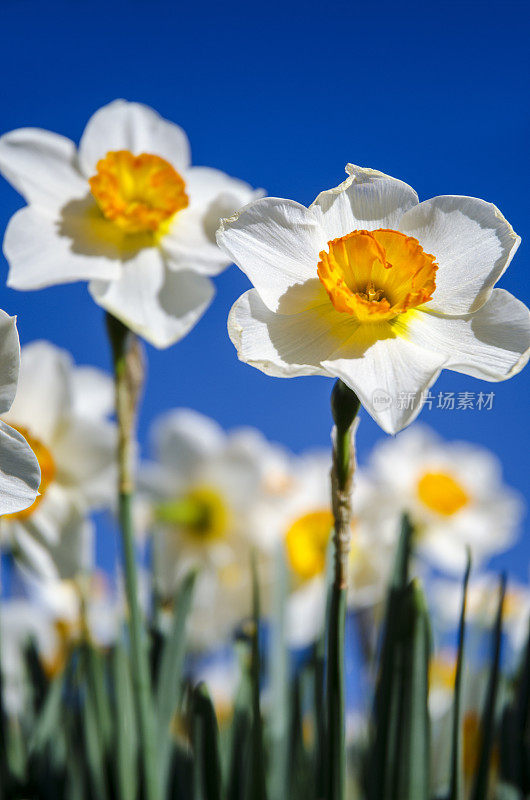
column 301, row 519
column 21, row 621
column 52, row 615
column 372, row 287
column 453, row 492
column 62, row 412
column 126, row 212
column 19, row 468
column 203, row 491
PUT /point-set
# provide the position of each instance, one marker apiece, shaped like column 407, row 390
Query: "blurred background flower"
column 453, row 492
column 63, row 411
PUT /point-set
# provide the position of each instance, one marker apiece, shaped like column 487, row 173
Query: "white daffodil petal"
column 74, row 551
column 42, row 252
column 366, row 200
column 204, row 185
column 388, row 375
column 85, row 449
column 44, row 373
column 472, row 244
column 33, row 554
column 183, row 439
column 19, row 472
column 190, row 243
column 276, row 243
column 121, row 125
column 42, row 166
column 492, row 344
column 9, row 360
column 93, row 393
column 160, row 305
column 286, row 345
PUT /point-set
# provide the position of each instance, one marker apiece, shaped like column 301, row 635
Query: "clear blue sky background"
column 283, row 95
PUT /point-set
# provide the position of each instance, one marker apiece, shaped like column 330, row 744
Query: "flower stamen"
column 376, row 275
column 139, row 194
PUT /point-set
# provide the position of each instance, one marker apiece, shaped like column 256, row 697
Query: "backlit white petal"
column 366, row 200
column 387, row 374
column 190, row 243
column 492, row 344
column 160, row 305
column 204, row 185
column 9, row 360
column 286, row 345
column 44, row 373
column 73, row 550
column 42, row 166
column 472, row 243
column 85, row 450
column 19, row 472
column 121, row 125
column 93, row 393
column 33, row 554
column 43, row 252
column 182, row 439
column 276, row 243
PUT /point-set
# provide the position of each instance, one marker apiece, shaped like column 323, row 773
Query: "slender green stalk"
column 344, row 405
column 258, row 789
column 128, row 376
column 456, row 782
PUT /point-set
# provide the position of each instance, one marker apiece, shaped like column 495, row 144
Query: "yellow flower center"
column 47, row 471
column 139, row 194
column 472, row 735
column 442, row 672
column 440, row 492
column 306, row 542
column 377, row 275
column 202, row 514
column 67, row 633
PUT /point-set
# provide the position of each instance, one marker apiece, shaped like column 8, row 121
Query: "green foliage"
column 78, row 737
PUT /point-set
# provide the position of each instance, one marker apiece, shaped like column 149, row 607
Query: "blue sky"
column 283, row 95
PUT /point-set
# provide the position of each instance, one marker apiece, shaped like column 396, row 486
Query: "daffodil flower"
column 299, row 518
column 453, row 493
column 19, row 468
column 203, row 491
column 126, row 212
column 373, row 287
column 63, row 413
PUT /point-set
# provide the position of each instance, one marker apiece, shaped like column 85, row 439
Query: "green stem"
column 128, row 375
column 345, row 405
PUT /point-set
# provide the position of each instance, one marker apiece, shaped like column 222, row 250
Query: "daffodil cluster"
column 231, row 546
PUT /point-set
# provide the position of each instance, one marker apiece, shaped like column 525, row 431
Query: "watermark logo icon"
column 381, row 399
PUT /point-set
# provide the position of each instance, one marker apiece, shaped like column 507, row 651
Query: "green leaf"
column 241, row 727
column 99, row 691
column 206, row 764
column 257, row 785
column 456, row 780
column 413, row 743
column 125, row 738
column 279, row 685
column 300, row 777
column 94, row 746
column 385, row 719
column 335, row 697
column 480, row 787
column 320, row 720
column 170, row 683
column 49, row 719
column 515, row 738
